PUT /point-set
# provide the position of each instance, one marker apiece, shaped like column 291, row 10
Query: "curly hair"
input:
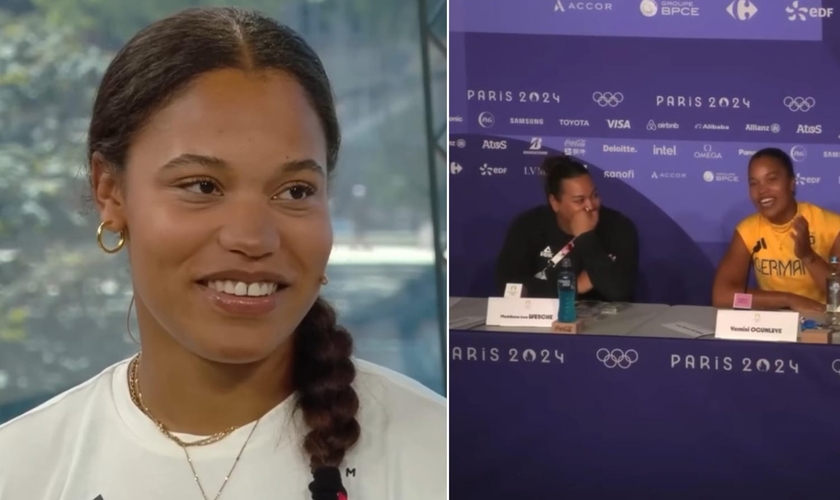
column 157, row 65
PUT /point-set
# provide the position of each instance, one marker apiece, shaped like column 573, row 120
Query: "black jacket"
column 609, row 254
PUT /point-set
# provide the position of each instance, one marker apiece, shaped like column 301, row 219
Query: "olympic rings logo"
column 803, row 104
column 835, row 366
column 610, row 99
column 617, row 357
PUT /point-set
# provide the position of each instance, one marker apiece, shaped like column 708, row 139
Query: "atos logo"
column 809, row 129
column 486, row 119
column 494, row 145
column 620, row 124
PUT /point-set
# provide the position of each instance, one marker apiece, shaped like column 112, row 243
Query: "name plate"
column 772, row 326
column 510, row 311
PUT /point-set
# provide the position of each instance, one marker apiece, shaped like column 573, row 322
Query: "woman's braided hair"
column 156, row 66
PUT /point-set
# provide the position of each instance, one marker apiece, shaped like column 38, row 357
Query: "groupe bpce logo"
column 617, row 357
column 803, row 104
column 611, row 99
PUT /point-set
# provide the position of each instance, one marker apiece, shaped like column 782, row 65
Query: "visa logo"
column 623, row 124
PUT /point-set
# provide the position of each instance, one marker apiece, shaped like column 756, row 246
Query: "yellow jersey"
column 775, row 265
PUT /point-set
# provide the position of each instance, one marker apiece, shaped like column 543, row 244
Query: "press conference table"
column 637, row 409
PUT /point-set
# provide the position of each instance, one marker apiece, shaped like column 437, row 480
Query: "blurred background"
column 63, row 303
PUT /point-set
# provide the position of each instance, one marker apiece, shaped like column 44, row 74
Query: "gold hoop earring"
column 128, row 321
column 99, row 241
column 324, row 280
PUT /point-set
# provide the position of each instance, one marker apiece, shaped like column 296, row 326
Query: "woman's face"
column 771, row 188
column 224, row 197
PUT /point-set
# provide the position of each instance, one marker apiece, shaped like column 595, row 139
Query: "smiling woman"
column 213, row 136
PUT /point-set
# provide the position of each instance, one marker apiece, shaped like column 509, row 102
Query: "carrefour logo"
column 742, row 10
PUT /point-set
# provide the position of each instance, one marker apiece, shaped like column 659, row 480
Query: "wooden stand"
column 567, row 328
column 815, row 337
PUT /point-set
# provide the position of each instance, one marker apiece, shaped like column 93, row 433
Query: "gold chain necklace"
column 137, row 399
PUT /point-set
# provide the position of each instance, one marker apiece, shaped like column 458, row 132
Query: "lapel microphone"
column 326, row 484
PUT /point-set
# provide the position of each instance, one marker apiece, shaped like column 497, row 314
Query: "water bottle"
column 567, row 292
column 832, row 295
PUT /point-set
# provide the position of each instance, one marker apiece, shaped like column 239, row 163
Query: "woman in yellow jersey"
column 789, row 243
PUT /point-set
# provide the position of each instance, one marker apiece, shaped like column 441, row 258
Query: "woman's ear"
column 106, row 184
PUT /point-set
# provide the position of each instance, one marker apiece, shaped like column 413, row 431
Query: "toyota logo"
column 617, row 357
column 611, row 99
column 803, row 104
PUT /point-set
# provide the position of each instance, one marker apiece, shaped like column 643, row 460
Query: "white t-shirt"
column 93, row 443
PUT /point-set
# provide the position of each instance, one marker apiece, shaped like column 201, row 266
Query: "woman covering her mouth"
column 788, row 243
column 213, row 136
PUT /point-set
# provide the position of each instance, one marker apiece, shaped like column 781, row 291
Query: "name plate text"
column 510, row 311
column 771, row 326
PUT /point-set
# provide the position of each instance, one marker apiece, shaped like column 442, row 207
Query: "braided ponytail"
column 322, row 375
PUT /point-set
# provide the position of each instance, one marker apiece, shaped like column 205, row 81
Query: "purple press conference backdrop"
column 663, row 100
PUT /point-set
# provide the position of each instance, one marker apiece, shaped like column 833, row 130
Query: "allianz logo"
column 487, row 144
column 619, row 148
column 754, row 127
column 664, row 150
column 620, row 174
column 808, row 129
column 488, row 170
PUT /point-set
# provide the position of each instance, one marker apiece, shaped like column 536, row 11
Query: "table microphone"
column 326, row 484
column 758, row 246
